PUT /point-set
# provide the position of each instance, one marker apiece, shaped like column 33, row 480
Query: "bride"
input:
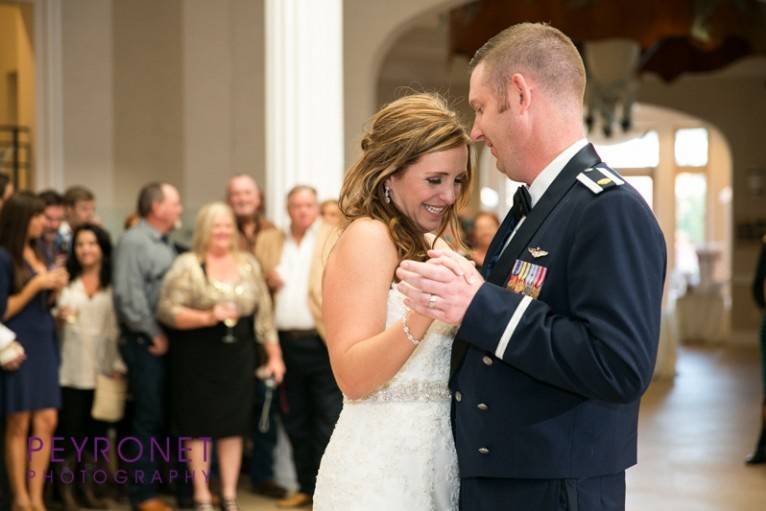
column 392, row 447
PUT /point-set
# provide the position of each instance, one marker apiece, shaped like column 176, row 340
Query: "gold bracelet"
column 406, row 329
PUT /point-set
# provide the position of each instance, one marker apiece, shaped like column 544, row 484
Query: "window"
column 691, row 189
column 691, row 147
column 691, row 192
column 639, row 152
column 644, row 184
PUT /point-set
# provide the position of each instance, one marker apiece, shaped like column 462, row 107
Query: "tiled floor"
column 694, row 433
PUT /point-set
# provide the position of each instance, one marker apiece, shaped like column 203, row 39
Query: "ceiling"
column 676, row 37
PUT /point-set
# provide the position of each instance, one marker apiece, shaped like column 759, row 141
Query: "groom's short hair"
column 538, row 50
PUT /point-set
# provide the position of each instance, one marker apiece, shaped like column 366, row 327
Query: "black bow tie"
column 522, row 203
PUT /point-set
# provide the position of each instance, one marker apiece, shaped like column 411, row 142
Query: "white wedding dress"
column 393, row 450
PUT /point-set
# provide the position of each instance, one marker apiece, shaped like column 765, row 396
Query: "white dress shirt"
column 291, row 302
column 544, row 179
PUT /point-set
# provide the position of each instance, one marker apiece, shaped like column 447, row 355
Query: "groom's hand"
column 442, row 288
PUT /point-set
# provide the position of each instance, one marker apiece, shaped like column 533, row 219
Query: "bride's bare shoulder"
column 368, row 232
column 367, row 239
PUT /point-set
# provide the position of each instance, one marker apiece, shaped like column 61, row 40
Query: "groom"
column 558, row 337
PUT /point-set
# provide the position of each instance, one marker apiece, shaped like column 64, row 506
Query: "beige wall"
column 148, row 94
column 223, row 95
column 168, row 91
column 248, row 144
column 88, row 101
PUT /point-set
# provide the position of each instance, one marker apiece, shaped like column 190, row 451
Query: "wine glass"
column 69, row 314
column 230, row 321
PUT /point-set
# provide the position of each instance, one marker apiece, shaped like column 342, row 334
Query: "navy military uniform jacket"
column 557, row 347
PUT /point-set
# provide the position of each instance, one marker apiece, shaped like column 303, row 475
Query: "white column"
column 49, row 143
column 304, row 99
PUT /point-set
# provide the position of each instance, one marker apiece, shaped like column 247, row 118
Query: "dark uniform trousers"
column 605, row 493
column 311, row 401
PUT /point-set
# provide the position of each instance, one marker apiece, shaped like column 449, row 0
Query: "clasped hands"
column 442, row 288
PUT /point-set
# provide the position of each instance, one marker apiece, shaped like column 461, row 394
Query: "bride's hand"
column 458, row 264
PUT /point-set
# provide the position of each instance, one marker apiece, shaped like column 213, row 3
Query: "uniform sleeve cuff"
column 492, row 318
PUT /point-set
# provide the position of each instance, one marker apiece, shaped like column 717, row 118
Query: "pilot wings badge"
column 537, row 252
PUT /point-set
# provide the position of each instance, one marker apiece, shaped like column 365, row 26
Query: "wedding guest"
column 142, row 257
column 330, row 212
column 80, row 204
column 51, row 245
column 485, row 225
column 216, row 304
column 293, row 263
column 11, row 357
column 30, row 394
column 88, row 346
column 244, row 198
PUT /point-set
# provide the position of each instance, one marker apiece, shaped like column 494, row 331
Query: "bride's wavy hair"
column 397, row 136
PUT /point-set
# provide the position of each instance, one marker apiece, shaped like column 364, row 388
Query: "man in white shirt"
column 293, row 262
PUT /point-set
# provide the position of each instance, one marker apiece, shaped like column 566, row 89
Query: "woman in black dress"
column 30, row 395
column 216, row 305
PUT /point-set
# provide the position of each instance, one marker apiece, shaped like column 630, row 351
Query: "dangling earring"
column 388, row 194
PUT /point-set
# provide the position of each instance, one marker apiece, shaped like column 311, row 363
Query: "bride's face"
column 426, row 189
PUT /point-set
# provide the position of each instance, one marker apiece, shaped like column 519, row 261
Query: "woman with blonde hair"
column 392, row 447
column 216, row 304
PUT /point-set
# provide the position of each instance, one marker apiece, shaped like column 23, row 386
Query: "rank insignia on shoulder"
column 599, row 179
column 537, row 252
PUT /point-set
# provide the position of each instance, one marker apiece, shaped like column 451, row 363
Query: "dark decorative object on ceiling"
column 698, row 35
column 667, row 38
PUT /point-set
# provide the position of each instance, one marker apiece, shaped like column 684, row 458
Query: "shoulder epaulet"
column 599, row 179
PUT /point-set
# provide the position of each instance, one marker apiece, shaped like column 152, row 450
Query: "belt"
column 299, row 334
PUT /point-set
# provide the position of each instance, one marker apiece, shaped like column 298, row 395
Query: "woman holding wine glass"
column 88, row 334
column 29, row 394
column 211, row 364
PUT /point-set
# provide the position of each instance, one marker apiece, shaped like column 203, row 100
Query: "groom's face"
column 492, row 119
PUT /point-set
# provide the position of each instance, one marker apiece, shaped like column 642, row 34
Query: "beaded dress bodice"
column 425, row 374
column 393, row 449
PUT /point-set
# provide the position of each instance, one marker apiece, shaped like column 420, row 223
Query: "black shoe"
column 758, row 457
column 270, row 489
